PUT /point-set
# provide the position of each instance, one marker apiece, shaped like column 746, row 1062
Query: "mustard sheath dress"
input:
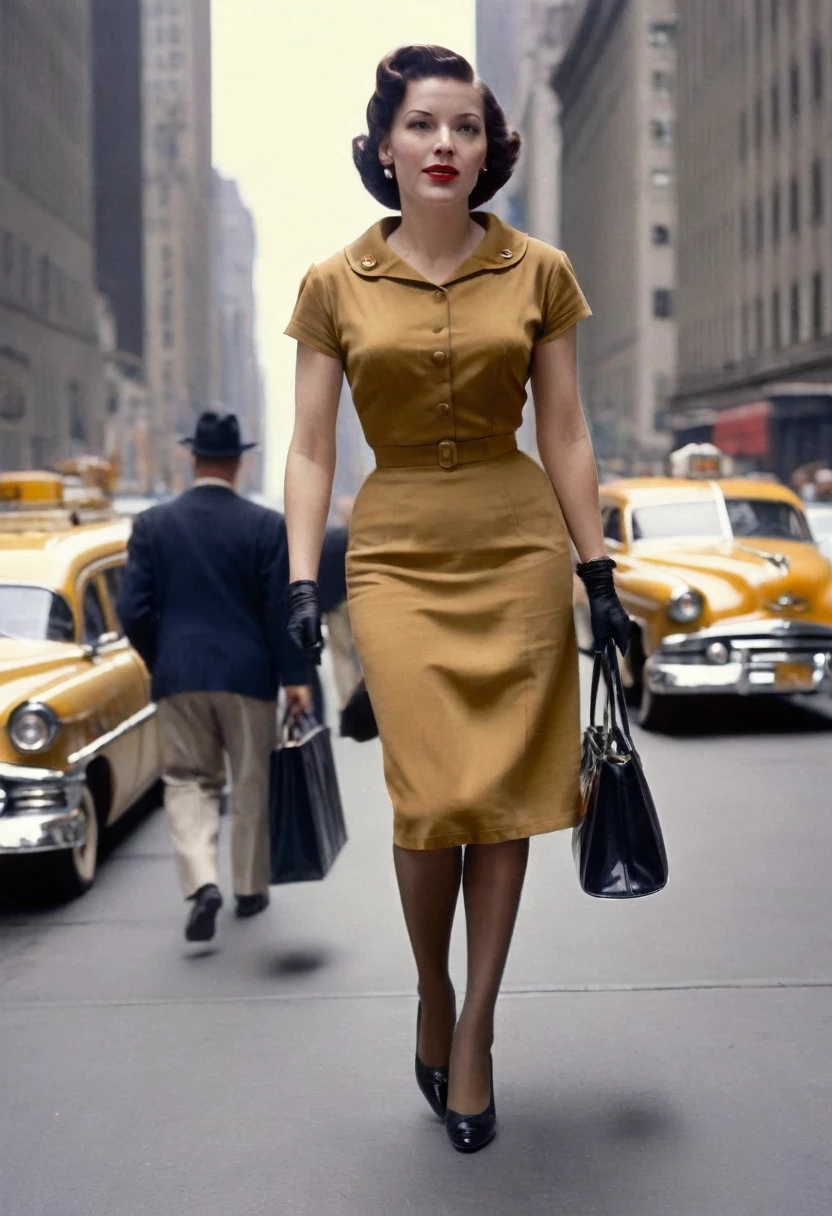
column 458, row 568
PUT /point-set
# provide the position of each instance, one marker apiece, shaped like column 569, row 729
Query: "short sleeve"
column 312, row 321
column 564, row 303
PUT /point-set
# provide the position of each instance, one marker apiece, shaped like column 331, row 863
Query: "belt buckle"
column 447, row 454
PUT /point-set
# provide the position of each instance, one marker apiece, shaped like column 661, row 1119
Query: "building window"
column 77, row 426
column 662, row 302
column 775, row 15
column 663, row 83
column 817, row 72
column 817, row 304
column 775, row 110
column 758, row 122
column 661, row 178
column 794, row 314
column 661, row 33
column 760, row 323
column 758, row 22
column 26, row 273
column 794, row 92
column 8, row 255
column 44, row 282
column 744, row 331
column 662, row 130
column 775, row 214
column 817, row 192
column 794, row 205
column 759, row 226
column 744, row 230
column 60, row 292
column 661, row 234
column 743, row 136
column 776, row 329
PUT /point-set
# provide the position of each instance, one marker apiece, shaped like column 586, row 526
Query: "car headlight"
column 32, row 727
column 685, row 606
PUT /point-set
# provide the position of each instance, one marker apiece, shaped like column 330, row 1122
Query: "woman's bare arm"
column 564, row 444
column 310, row 465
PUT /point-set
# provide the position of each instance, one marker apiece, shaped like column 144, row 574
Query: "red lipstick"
column 442, row 173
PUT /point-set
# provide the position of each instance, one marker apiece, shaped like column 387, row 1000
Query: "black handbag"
column 357, row 718
column 306, row 818
column 618, row 846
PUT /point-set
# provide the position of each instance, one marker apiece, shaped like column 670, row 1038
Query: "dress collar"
column 372, row 258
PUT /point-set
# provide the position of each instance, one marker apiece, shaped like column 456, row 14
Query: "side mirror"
column 106, row 639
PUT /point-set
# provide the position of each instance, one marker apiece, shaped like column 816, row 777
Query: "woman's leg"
column 492, row 883
column 429, row 888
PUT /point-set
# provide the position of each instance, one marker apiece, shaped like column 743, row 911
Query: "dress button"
column 368, row 263
column 437, row 329
column 439, row 296
column 439, row 356
column 443, row 408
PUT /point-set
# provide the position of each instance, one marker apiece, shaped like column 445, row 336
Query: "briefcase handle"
column 297, row 729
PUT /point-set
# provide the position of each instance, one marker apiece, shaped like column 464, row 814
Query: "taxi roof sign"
column 31, row 490
column 700, row 460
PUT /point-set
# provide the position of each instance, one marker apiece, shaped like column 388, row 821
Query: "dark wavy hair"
column 392, row 77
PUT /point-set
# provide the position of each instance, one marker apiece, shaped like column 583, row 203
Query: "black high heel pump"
column 433, row 1082
column 470, row 1133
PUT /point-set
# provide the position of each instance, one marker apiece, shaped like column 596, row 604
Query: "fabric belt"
column 447, row 454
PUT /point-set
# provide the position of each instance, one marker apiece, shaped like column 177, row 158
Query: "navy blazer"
column 203, row 599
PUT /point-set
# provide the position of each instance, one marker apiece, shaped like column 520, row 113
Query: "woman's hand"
column 304, row 621
column 610, row 622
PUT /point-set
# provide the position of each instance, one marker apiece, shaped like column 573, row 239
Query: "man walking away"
column 202, row 603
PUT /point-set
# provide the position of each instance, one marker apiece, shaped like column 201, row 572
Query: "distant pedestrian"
column 460, row 575
column 203, row 604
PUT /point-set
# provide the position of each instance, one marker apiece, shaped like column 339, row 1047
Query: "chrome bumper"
column 40, row 810
column 774, row 657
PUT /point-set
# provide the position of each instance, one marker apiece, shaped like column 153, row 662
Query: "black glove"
column 610, row 622
column 304, row 623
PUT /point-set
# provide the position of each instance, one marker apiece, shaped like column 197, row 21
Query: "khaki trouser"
column 345, row 665
column 197, row 729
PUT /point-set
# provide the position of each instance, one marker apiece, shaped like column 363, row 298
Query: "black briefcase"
column 618, row 846
column 305, row 814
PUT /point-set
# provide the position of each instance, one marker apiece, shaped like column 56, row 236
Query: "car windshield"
column 697, row 518
column 35, row 613
column 767, row 519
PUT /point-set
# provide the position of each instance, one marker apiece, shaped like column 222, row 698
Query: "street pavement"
column 665, row 1057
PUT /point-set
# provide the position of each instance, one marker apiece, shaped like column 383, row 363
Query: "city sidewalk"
column 670, row 1057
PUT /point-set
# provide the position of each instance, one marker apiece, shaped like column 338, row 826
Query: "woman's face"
column 440, row 122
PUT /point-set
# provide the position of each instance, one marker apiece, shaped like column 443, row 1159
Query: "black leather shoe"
column 207, row 903
column 250, row 905
column 470, row 1133
column 433, row 1082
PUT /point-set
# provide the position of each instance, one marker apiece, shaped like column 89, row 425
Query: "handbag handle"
column 606, row 663
column 295, row 727
column 601, row 667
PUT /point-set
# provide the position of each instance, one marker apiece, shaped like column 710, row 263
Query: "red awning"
column 743, row 430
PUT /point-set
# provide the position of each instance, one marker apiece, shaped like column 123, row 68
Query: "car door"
column 116, row 688
column 149, row 755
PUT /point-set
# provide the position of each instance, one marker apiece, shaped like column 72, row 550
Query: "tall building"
column 617, row 84
column 755, row 230
column 519, row 43
column 119, row 232
column 179, row 308
column 51, row 372
column 239, row 383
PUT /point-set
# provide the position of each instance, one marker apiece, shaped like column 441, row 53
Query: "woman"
column 459, row 570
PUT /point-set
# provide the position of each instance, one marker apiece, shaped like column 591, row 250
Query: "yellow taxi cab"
column 78, row 734
column 728, row 590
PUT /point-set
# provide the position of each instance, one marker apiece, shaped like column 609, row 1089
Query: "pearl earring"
column 388, row 173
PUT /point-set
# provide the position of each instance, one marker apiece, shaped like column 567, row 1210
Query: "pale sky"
column 291, row 86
